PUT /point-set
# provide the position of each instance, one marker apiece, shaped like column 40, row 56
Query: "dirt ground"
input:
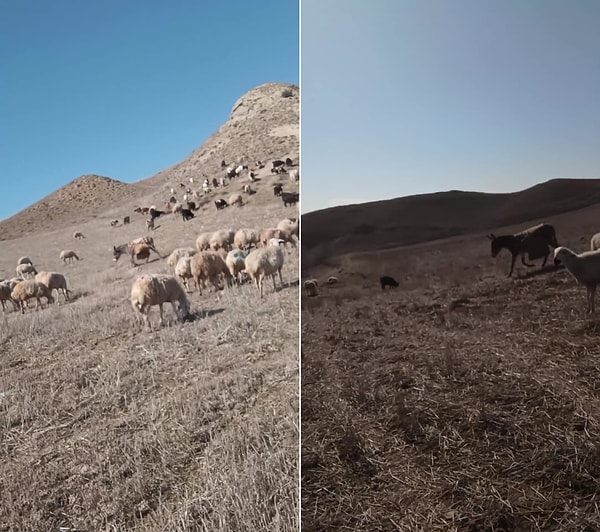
column 461, row 400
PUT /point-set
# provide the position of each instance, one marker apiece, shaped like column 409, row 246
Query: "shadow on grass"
column 542, row 271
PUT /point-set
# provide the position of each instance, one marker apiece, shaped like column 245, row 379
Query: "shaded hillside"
column 263, row 125
column 413, row 219
column 83, row 198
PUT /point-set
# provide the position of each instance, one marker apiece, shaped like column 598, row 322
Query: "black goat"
column 277, row 190
column 187, row 214
column 155, row 214
column 290, row 198
column 388, row 281
column 221, row 204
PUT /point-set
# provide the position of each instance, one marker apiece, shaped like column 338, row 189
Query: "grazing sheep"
column 126, row 220
column 29, row 289
column 221, row 204
column 311, row 288
column 24, row 260
column 203, row 241
column 5, row 291
column 157, row 289
column 183, row 269
column 150, row 224
column 236, row 263
column 388, row 281
column 585, row 268
column 68, row 255
column 114, row 223
column 265, row 261
column 248, row 190
column 288, row 229
column 246, row 238
column 294, row 174
column 25, row 270
column 175, row 207
column 208, row 266
column 290, row 198
column 236, row 199
column 289, row 162
column 54, row 281
column 332, row 280
column 176, row 254
column 78, row 234
column 269, row 233
column 533, row 241
column 222, row 239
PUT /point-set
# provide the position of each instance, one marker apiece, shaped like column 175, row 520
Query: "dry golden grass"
column 462, row 400
column 107, row 426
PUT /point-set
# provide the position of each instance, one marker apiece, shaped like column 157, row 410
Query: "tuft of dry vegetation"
column 105, row 425
column 460, row 401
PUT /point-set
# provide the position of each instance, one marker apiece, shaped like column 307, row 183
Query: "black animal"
column 223, row 163
column 259, row 164
column 181, row 185
column 186, row 214
column 191, row 205
column 277, row 190
column 172, row 199
column 126, row 220
column 155, row 214
column 215, row 182
column 289, row 162
column 231, row 174
column 534, row 242
column 290, row 198
column 388, row 281
column 221, row 204
column 277, row 163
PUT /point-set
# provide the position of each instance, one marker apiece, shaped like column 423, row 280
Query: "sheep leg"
column 160, row 308
column 591, row 295
column 176, row 311
column 280, row 278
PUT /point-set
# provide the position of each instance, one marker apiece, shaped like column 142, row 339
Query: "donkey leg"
column 524, row 263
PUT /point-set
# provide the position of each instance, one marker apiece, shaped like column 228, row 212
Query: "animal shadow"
column 542, row 271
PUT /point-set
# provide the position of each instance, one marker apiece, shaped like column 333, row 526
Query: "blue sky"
column 126, row 88
column 403, row 97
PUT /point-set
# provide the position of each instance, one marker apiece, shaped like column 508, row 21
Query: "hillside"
column 263, row 125
column 189, row 426
column 421, row 218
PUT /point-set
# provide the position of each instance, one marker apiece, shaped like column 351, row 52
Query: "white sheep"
column 24, row 260
column 29, row 289
column 595, row 242
column 269, row 233
column 311, row 288
column 294, row 174
column 203, row 241
column 209, row 266
column 245, row 238
column 54, row 281
column 236, row 199
column 25, row 270
column 68, row 255
column 78, row 234
column 223, row 238
column 236, row 263
column 332, row 280
column 585, row 268
column 150, row 224
column 265, row 261
column 183, row 269
column 288, row 229
column 177, row 253
column 156, row 289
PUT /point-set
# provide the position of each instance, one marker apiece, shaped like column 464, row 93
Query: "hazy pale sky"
column 403, row 97
column 127, row 88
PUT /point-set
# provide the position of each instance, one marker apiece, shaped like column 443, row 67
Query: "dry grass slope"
column 462, row 400
column 106, row 426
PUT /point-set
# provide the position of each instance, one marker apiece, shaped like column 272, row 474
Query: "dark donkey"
column 534, row 242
